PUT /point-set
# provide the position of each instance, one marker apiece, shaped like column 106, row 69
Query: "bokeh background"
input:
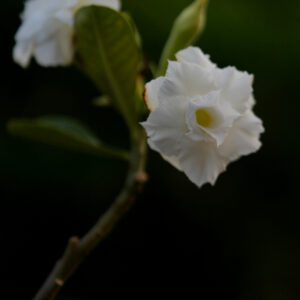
column 238, row 240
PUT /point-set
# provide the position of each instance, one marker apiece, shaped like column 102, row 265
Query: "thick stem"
column 79, row 249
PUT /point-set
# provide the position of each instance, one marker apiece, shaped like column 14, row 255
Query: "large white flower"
column 201, row 116
column 47, row 30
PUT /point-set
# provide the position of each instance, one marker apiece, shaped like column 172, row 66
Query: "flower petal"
column 194, row 55
column 243, row 138
column 166, row 126
column 222, row 117
column 151, row 93
column 189, row 80
column 56, row 50
column 22, row 53
column 173, row 160
column 236, row 87
column 65, row 16
column 200, row 161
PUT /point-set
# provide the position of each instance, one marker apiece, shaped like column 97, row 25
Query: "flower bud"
column 187, row 27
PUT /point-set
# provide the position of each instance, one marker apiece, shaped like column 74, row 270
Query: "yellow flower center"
column 203, row 118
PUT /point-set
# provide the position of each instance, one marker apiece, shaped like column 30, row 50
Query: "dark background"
column 238, row 240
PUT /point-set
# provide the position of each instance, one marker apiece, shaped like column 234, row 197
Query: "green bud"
column 187, row 27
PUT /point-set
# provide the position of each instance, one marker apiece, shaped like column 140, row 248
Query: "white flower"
column 201, row 116
column 47, row 30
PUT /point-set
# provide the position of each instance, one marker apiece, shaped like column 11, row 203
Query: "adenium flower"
column 201, row 116
column 47, row 30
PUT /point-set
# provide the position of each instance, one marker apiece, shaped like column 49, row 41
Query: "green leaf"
column 109, row 54
column 63, row 132
column 137, row 35
column 187, row 27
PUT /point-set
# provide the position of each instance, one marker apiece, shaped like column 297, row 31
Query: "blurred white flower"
column 47, row 31
column 201, row 116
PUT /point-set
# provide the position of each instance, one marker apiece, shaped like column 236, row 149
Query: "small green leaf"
column 63, row 132
column 187, row 27
column 109, row 54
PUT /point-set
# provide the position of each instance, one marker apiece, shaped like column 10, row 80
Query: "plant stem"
column 79, row 249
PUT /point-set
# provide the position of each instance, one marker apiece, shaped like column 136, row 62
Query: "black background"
column 238, row 240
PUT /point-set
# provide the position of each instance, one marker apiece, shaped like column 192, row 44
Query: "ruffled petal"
column 65, row 16
column 22, row 53
column 243, row 138
column 151, row 93
column 166, row 126
column 251, row 102
column 189, row 80
column 173, row 160
column 221, row 116
column 200, row 161
column 57, row 50
column 194, row 55
column 235, row 86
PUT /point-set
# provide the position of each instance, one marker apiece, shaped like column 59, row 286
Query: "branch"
column 79, row 249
